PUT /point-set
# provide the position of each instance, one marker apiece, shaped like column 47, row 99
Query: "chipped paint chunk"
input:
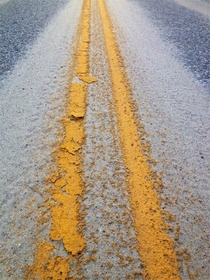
column 46, row 265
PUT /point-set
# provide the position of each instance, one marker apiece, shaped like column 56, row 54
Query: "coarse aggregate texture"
column 202, row 7
column 174, row 109
column 110, row 251
column 32, row 105
column 188, row 30
column 20, row 23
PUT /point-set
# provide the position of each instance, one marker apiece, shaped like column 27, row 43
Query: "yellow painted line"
column 155, row 247
column 68, row 184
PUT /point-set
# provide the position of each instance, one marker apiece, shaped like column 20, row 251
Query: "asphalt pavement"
column 188, row 30
column 104, row 138
column 20, row 23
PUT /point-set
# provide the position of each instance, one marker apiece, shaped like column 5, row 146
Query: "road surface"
column 105, row 132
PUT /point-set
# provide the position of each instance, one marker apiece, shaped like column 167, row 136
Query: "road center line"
column 154, row 244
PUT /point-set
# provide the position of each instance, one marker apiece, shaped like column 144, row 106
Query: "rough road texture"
column 96, row 235
column 32, row 104
column 174, row 109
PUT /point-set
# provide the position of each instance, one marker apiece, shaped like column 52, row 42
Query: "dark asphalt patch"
column 189, row 31
column 20, row 23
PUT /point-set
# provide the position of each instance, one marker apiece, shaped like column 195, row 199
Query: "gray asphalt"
column 170, row 104
column 188, row 30
column 20, row 23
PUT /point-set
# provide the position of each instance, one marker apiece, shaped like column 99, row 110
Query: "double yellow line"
column 156, row 249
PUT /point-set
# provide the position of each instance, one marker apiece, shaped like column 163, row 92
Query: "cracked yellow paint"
column 67, row 183
column 155, row 247
column 46, row 266
column 83, row 49
column 78, row 100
